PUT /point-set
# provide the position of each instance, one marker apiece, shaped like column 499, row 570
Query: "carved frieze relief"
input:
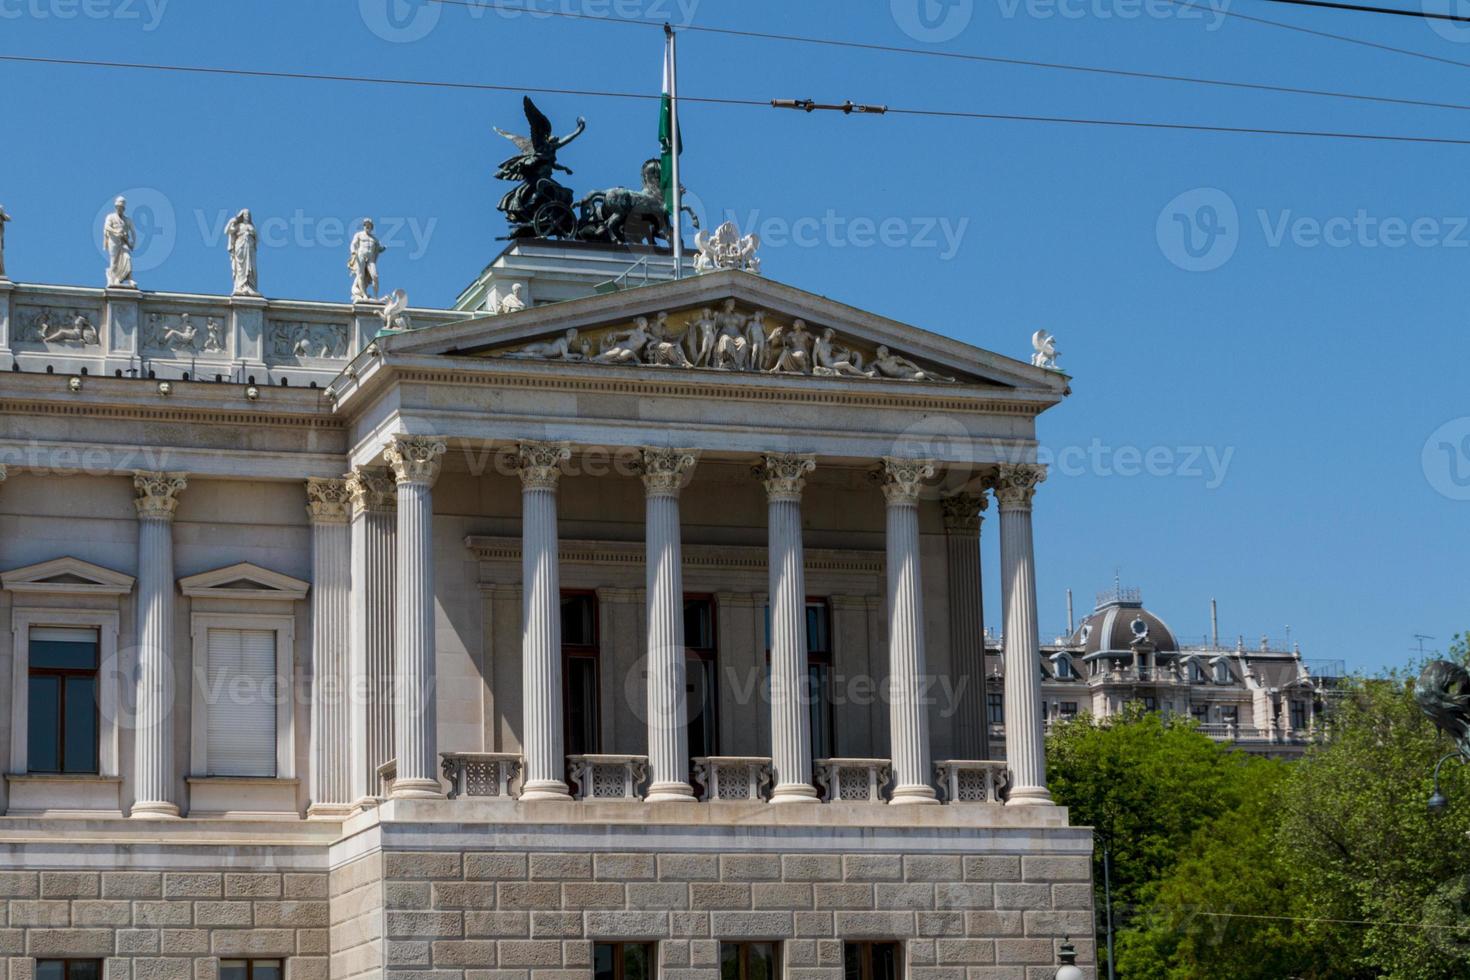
column 183, row 334
column 293, row 341
column 57, row 326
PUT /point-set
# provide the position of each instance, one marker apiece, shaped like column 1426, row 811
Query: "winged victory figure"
column 539, row 207
column 1443, row 693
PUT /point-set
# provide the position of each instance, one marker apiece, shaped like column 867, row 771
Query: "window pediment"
column 67, row 576
column 244, row 580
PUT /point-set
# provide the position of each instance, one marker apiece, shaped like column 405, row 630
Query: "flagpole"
column 678, row 217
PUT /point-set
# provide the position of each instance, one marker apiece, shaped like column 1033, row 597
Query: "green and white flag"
column 666, row 136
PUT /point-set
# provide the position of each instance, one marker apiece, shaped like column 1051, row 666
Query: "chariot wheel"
column 554, row 220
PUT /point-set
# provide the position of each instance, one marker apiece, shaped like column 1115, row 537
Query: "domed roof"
column 1118, row 622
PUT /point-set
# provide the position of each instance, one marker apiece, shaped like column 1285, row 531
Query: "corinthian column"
column 370, row 651
column 415, row 463
column 1015, row 484
column 542, row 739
column 962, row 520
column 784, row 477
column 156, row 495
column 908, row 721
column 330, row 786
column 664, row 472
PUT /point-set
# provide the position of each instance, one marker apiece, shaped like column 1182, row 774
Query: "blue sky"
column 1264, row 413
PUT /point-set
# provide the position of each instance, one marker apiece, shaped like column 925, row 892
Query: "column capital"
column 665, row 471
column 784, row 474
column 964, row 511
column 1014, row 484
column 903, row 479
column 157, row 494
column 415, row 459
column 370, row 489
column 326, row 500
column 539, row 464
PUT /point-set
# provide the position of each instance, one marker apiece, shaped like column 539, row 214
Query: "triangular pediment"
column 244, row 580
column 67, row 576
column 729, row 322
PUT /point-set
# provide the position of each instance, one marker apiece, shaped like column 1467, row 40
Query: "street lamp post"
column 1107, row 898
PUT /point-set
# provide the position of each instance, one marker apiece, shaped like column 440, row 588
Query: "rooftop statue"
column 727, row 249
column 539, row 207
column 1045, row 346
column 606, row 216
column 1443, row 693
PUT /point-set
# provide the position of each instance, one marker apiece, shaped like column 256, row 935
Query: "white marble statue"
column 214, row 342
column 181, row 336
column 664, row 348
column 830, row 359
column 625, row 347
column 755, row 336
column 80, row 332
column 119, row 238
column 241, row 240
column 362, row 262
column 563, row 348
column 732, row 348
column 889, row 365
column 395, row 311
column 3, row 219
column 1045, row 346
column 726, row 248
column 794, row 344
column 699, row 339
column 513, row 301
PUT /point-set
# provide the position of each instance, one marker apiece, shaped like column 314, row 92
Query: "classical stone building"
column 631, row 634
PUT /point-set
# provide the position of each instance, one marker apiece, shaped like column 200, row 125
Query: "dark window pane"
column 636, row 961
column 885, row 961
column 43, row 729
column 234, row 970
column 51, row 970
column 817, row 636
column 602, row 961
column 578, row 620
column 852, row 961
column 85, row 970
column 81, row 726
column 700, row 678
column 266, row 970
column 729, row 961
column 63, row 655
column 819, row 707
column 699, row 624
column 581, row 705
column 762, row 965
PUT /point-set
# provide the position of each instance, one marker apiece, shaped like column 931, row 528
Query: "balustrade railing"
column 853, row 780
column 732, row 777
column 608, row 777
column 480, row 773
column 972, row 781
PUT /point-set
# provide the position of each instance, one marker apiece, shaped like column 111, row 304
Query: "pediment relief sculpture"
column 727, row 338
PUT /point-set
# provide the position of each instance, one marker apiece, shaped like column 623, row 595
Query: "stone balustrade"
column 854, row 780
column 733, row 777
column 608, row 777
column 970, row 781
column 480, row 773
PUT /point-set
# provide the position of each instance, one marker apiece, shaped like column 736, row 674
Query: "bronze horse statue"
column 609, row 215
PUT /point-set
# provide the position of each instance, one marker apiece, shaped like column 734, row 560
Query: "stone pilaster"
column 963, row 516
column 902, row 480
column 542, row 735
column 156, row 496
column 415, row 464
column 1015, row 485
column 330, row 784
column 784, row 477
column 664, row 473
column 374, row 532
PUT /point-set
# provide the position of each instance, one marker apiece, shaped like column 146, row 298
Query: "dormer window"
column 1222, row 673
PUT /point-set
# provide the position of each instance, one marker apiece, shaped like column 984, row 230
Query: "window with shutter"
column 241, row 702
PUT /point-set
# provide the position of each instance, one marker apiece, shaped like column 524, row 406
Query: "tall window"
column 579, row 672
column 251, row 969
column 62, row 719
column 818, row 675
column 1298, row 715
column 749, row 961
column 995, row 707
column 1230, row 715
column 1222, row 673
column 69, row 969
column 1063, row 668
column 700, row 673
column 242, row 697
column 624, row 961
column 872, row 961
column 1068, row 710
column 1196, row 673
column 1200, row 713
